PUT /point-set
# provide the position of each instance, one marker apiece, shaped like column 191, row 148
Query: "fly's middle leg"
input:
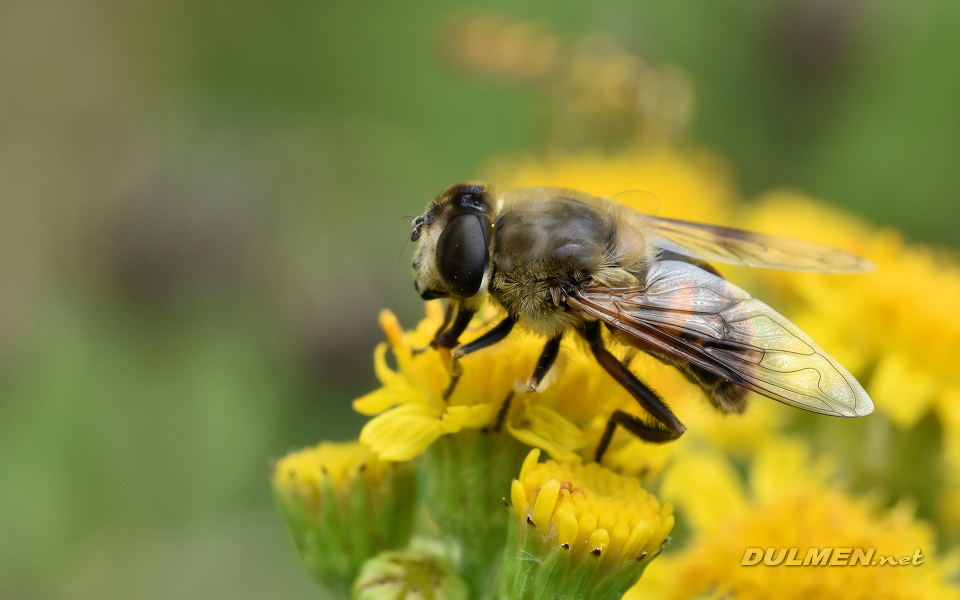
column 549, row 356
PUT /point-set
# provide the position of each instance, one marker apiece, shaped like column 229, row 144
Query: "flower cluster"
column 791, row 507
column 897, row 325
column 896, row 328
column 411, row 412
column 592, row 527
column 416, row 507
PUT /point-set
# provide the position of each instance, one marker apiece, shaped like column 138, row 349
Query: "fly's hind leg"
column 490, row 338
column 633, row 424
column 667, row 427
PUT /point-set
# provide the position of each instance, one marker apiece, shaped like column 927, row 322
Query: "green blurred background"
column 203, row 206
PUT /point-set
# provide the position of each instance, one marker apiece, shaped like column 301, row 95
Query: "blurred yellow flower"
column 949, row 414
column 897, row 325
column 603, row 91
column 790, row 504
column 896, row 329
column 692, row 184
column 304, row 473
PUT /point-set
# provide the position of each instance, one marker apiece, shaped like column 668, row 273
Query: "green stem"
column 466, row 476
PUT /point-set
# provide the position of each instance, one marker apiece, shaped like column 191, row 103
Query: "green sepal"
column 550, row 580
column 534, row 568
column 623, row 577
column 526, row 561
column 361, row 534
column 397, row 514
column 510, row 568
column 335, row 561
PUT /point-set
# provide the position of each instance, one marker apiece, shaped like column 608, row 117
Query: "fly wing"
column 694, row 316
column 750, row 249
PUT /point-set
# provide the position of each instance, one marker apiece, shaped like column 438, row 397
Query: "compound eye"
column 462, row 254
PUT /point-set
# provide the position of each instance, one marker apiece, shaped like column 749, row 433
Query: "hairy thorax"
column 543, row 244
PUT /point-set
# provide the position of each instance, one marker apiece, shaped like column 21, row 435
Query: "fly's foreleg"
column 447, row 317
column 451, row 337
column 495, row 335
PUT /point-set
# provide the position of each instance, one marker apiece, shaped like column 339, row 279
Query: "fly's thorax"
column 549, row 237
column 564, row 231
column 454, row 236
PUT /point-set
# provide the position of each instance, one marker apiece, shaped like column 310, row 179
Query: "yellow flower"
column 896, row 329
column 588, row 509
column 566, row 418
column 790, row 504
column 590, row 530
column 412, row 414
column 949, row 412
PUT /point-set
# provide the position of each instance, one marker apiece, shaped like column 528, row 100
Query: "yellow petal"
column 385, row 374
column 599, row 540
column 637, row 539
column 465, row 417
column 401, row 433
column 391, row 327
column 546, row 501
column 567, row 530
column 619, row 534
column 656, row 540
column 542, row 427
column 381, row 399
column 586, row 525
column 529, row 463
column 518, row 497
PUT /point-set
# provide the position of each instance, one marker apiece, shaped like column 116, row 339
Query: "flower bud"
column 591, row 531
column 343, row 505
